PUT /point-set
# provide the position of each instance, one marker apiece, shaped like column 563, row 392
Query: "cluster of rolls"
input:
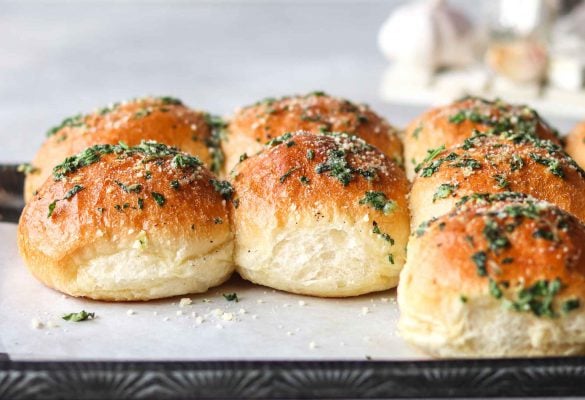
column 128, row 202
column 496, row 261
column 311, row 194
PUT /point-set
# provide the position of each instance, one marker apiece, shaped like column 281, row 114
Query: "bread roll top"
column 450, row 125
column 492, row 164
column 115, row 192
column 525, row 253
column 315, row 112
column 163, row 119
column 300, row 172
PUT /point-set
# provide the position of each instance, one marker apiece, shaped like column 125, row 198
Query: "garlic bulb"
column 429, row 34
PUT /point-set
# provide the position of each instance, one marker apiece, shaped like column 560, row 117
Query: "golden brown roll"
column 324, row 215
column 501, row 275
column 316, row 112
column 162, row 119
column 129, row 223
column 451, row 124
column 576, row 144
column 492, row 164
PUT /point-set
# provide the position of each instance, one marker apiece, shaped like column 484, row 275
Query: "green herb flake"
column 444, row 190
column 287, row 174
column 310, row 154
column 391, row 258
column 174, row 184
column 378, row 201
column 570, row 305
column 501, row 181
column 134, row 188
column 224, row 188
column 159, row 198
column 480, row 260
column 79, row 316
column 494, row 289
column 304, row 180
column 76, row 121
column 337, row 166
column 431, row 155
column 217, row 221
column 231, row 297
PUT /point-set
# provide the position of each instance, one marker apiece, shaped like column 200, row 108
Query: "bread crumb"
column 185, row 301
column 36, row 323
column 302, row 303
column 180, row 312
column 228, row 316
column 199, row 320
column 312, row 345
column 130, row 312
column 365, row 310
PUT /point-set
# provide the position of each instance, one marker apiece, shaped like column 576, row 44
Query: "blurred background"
column 61, row 58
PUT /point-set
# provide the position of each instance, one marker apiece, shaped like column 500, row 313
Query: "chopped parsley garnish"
column 140, row 203
column 280, row 139
column 516, row 162
column 231, row 297
column 287, row 174
column 501, row 181
column 159, row 198
column 217, row 127
column 217, row 221
column 391, row 258
column 494, row 236
column 310, row 154
column 570, row 305
column 494, row 289
column 224, row 188
column 134, row 188
column 431, row 154
column 376, row 230
column 243, row 157
column 444, row 190
column 143, row 112
column 181, row 160
column 553, row 164
column 480, row 260
column 76, row 121
column 167, row 100
column 544, row 233
column 378, row 201
column 174, row 184
column 79, row 316
column 304, row 180
column 417, row 131
column 337, row 166
column 457, row 118
column 70, row 193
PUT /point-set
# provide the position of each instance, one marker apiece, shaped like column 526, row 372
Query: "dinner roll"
column 491, row 164
column 129, row 223
column 576, row 144
column 501, row 275
column 451, row 124
column 315, row 112
column 323, row 215
column 163, row 119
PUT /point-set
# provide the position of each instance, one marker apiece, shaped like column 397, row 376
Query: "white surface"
column 282, row 328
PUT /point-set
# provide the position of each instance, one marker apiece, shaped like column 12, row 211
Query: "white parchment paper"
column 264, row 324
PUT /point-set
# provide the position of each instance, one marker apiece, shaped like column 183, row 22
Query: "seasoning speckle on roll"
column 315, row 112
column 450, row 125
column 323, row 215
column 501, row 275
column 163, row 119
column 118, row 222
column 492, row 164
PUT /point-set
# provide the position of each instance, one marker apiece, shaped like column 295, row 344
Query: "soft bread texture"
column 162, row 119
column 501, row 275
column 303, row 221
column 138, row 223
column 492, row 164
column 316, row 112
column 575, row 144
column 450, row 125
